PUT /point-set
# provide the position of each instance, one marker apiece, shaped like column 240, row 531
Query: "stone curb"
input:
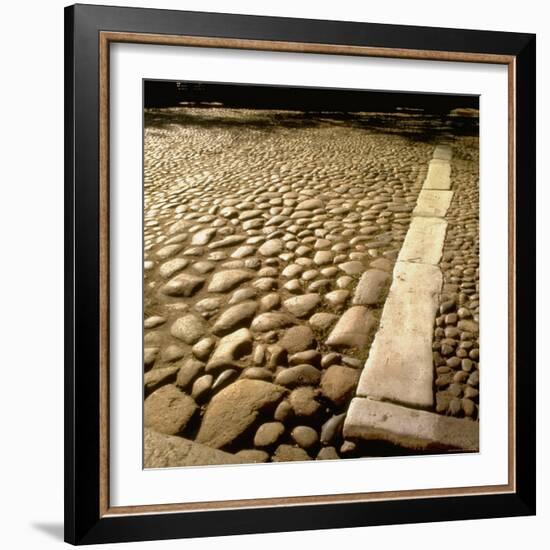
column 403, row 373
column 410, row 428
column 399, row 369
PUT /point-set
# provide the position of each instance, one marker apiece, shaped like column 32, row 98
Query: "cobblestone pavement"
column 269, row 243
column 456, row 335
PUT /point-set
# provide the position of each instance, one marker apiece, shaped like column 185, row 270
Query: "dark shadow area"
column 166, row 93
column 418, row 116
column 53, row 530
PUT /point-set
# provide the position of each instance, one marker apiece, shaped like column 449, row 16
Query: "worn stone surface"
column 399, row 367
column 353, row 329
column 338, row 384
column 433, row 203
column 424, row 241
column 414, row 429
column 371, row 288
column 231, row 348
column 234, row 409
column 168, row 410
column 439, row 175
column 169, row 451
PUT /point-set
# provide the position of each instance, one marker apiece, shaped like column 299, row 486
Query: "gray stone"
column 183, row 285
column 231, row 348
column 156, row 378
column 410, row 428
column 322, row 321
column 305, row 436
column 331, row 428
column 202, row 237
column 371, row 287
column 154, row 321
column 352, row 268
column 269, row 302
column 201, row 387
column 310, row 356
column 188, row 371
column 203, row 348
column 257, row 373
column 273, row 247
column 149, row 357
column 338, row 384
column 354, row 329
column 169, row 451
column 301, row 375
column 303, row 402
column 188, row 328
column 268, row 434
column 327, row 453
column 252, row 456
column 297, row 338
column 401, row 369
column 271, row 321
column 168, row 410
column 289, row 453
column 235, row 317
column 234, row 409
column 228, row 280
column 302, row 306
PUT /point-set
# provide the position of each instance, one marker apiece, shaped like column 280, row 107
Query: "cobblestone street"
column 270, row 239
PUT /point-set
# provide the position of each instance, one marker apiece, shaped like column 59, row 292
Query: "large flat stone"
column 168, row 451
column 439, row 175
column 410, row 428
column 424, row 241
column 433, row 202
column 400, row 364
column 235, row 409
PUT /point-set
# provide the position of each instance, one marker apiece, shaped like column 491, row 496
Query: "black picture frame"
column 85, row 522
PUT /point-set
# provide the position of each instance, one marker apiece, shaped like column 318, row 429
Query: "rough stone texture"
column 298, row 338
column 231, row 348
column 168, row 410
column 270, row 321
column 424, row 241
column 158, row 377
column 433, row 203
column 188, row 328
column 234, row 409
column 302, row 306
column 439, row 175
column 374, row 420
column 353, row 330
column 228, row 280
column 183, row 285
column 289, row 453
column 371, row 287
column 169, row 451
column 338, row 384
column 399, row 366
column 234, row 317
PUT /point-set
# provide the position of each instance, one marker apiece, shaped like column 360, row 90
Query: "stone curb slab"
column 433, row 203
column 400, row 364
column 413, row 429
column 439, row 175
column 424, row 241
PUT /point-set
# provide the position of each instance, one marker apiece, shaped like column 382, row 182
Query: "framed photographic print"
column 289, row 245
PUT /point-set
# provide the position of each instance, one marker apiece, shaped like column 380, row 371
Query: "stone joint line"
column 397, row 380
